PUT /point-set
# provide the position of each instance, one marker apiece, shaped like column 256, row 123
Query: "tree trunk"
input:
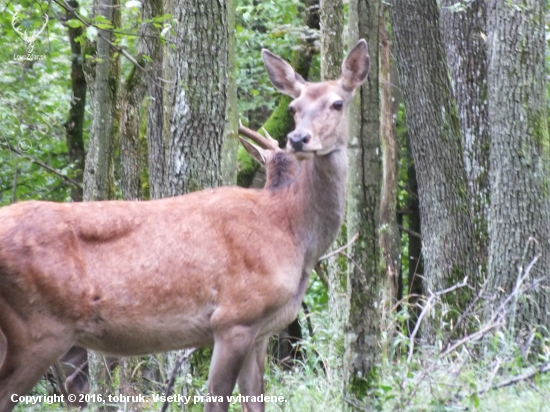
column 75, row 122
column 198, row 123
column 332, row 47
column 432, row 119
column 230, row 145
column 98, row 172
column 365, row 280
column 390, row 238
column 463, row 33
column 519, row 155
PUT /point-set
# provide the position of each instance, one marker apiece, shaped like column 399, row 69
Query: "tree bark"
column 75, row 122
column 519, row 155
column 104, row 72
column 198, row 122
column 390, row 238
column 230, row 144
column 98, row 172
column 365, row 280
column 434, row 131
column 463, row 34
column 332, row 47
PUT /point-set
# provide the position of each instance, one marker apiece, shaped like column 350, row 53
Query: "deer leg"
column 251, row 377
column 231, row 347
column 29, row 351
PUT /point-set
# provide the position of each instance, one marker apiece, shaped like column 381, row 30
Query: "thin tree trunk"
column 75, row 123
column 519, row 219
column 98, row 171
column 230, row 145
column 390, row 238
column 198, row 123
column 434, row 131
column 133, row 93
column 365, row 280
column 465, row 44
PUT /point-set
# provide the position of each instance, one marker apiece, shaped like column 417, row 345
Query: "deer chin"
column 301, row 155
column 326, row 150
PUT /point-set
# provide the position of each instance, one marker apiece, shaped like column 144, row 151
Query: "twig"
column 44, row 165
column 340, row 249
column 410, row 231
column 116, row 48
column 182, row 357
column 492, row 376
column 541, row 369
column 480, row 333
column 321, row 274
column 427, row 306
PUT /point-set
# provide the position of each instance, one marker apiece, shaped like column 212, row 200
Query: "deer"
column 226, row 267
column 280, row 168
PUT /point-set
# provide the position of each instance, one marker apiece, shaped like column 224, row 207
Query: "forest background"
column 436, row 294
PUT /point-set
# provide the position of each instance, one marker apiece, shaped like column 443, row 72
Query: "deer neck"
column 321, row 196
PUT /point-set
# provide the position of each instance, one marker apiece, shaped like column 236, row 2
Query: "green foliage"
column 272, row 25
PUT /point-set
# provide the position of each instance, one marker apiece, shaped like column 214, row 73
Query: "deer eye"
column 291, row 110
column 338, row 105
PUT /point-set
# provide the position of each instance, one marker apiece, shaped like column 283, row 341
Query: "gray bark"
column 98, row 172
column 519, row 155
column 230, row 145
column 390, row 238
column 434, row 131
column 465, row 44
column 362, row 332
column 198, row 122
column 103, row 79
column 332, row 47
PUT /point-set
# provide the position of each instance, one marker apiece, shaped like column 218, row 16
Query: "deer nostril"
column 306, row 138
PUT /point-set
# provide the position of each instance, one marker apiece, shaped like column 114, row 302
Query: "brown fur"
column 130, row 278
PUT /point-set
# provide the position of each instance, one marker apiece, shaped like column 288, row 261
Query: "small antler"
column 268, row 136
column 264, row 142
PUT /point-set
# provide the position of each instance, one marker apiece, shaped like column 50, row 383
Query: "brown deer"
column 225, row 266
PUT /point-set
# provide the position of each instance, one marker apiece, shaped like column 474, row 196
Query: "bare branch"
column 43, row 165
column 340, row 249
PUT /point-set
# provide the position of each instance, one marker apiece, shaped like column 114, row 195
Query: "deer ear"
column 282, row 75
column 260, row 155
column 355, row 67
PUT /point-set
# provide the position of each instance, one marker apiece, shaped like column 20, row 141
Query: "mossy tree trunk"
column 519, row 219
column 74, row 128
column 434, row 131
column 362, row 331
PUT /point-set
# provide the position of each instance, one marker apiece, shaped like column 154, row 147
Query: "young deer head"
column 319, row 108
column 131, row 278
